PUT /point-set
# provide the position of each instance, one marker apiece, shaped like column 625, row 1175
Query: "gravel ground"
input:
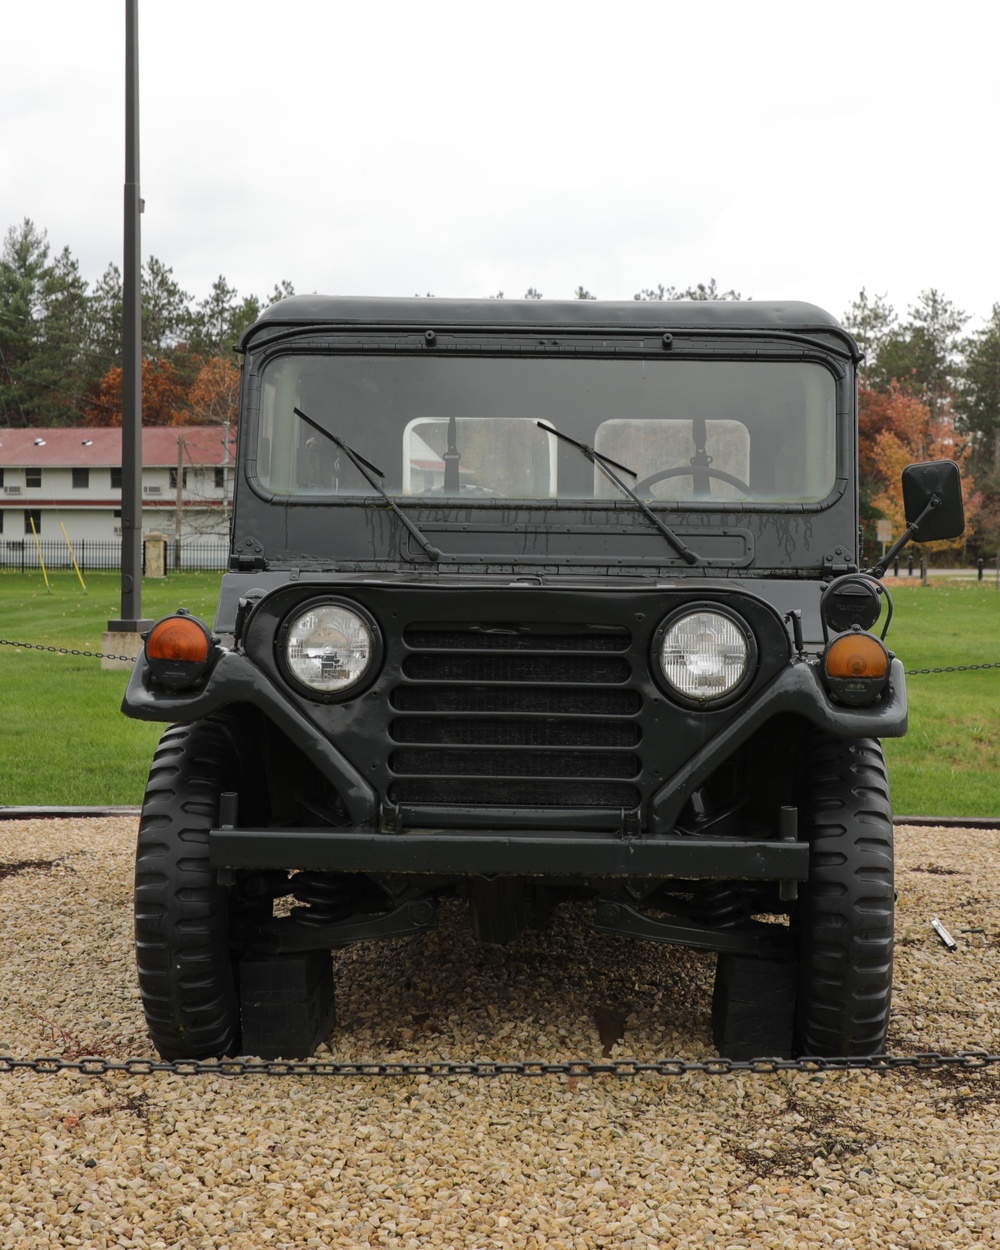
column 909, row 1159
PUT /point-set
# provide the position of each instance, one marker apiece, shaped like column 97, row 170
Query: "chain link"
column 954, row 668
column 90, row 655
column 923, row 1061
column 130, row 659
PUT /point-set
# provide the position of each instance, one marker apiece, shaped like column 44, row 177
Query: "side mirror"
column 932, row 500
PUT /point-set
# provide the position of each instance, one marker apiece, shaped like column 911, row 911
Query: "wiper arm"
column 371, row 473
column 607, row 467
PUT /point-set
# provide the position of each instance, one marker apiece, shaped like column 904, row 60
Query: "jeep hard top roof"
column 578, row 315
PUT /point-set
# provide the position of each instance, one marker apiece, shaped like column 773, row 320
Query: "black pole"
column 131, row 567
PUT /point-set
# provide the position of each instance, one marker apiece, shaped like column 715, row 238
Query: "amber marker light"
column 856, row 668
column 178, row 650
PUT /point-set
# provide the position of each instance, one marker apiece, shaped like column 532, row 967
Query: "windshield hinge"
column 839, row 561
column 247, row 556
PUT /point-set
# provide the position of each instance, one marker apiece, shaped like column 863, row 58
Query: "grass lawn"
column 65, row 741
column 949, row 762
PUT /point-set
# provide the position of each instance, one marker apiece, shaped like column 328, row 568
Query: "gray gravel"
column 786, row 1160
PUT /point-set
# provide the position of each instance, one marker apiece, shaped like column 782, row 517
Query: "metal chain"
column 954, row 668
column 130, row 659
column 923, row 1061
column 90, row 655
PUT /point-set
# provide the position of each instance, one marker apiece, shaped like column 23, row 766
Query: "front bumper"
column 569, row 854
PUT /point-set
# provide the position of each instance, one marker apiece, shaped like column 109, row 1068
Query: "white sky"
column 788, row 150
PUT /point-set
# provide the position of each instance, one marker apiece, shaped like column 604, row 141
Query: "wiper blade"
column 607, row 467
column 371, row 473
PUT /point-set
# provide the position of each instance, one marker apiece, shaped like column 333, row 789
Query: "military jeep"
column 531, row 602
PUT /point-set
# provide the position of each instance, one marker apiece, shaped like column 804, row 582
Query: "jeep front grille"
column 528, row 717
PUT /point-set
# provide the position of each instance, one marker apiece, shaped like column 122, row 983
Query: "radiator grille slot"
column 496, row 716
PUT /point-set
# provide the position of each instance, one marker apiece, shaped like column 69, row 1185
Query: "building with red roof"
column 71, row 479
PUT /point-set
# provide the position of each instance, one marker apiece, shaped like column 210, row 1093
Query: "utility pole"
column 125, row 633
column 179, row 502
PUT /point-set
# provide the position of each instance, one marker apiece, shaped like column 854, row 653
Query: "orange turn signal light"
column 179, row 650
column 856, row 668
column 857, row 655
column 178, row 638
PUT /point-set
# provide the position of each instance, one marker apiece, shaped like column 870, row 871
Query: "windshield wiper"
column 607, row 467
column 371, row 473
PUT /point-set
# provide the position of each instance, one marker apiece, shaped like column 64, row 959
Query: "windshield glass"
column 468, row 427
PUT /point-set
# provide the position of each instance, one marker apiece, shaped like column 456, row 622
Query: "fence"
column 105, row 555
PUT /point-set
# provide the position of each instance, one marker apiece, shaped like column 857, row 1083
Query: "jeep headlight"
column 705, row 655
column 328, row 647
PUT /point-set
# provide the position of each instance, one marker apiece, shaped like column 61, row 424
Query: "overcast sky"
column 788, row 150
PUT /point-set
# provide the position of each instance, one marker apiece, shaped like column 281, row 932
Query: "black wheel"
column 845, row 914
column 185, row 957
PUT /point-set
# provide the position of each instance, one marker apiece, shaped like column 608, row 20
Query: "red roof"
column 84, row 447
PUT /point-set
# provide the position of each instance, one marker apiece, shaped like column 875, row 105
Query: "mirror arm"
column 878, row 569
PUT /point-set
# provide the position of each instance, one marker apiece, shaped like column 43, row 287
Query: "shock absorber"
column 722, row 904
column 329, row 897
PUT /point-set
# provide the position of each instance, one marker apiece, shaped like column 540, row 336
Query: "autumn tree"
column 914, row 431
column 214, row 396
column 164, row 396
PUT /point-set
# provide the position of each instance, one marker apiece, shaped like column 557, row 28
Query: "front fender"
column 235, row 680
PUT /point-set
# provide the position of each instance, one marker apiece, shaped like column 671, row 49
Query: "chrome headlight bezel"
column 367, row 630
column 704, row 699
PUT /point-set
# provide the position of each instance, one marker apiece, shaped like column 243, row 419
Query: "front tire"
column 846, row 909
column 185, row 956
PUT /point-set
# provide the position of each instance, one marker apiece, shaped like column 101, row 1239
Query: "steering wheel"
column 691, row 471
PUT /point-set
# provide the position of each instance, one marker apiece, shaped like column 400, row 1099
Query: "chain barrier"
column 130, row 659
column 953, row 668
column 90, row 655
column 923, row 1061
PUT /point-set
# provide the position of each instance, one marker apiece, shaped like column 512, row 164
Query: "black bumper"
column 530, row 853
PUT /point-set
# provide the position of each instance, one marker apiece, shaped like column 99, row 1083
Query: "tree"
column 872, row 322
column 582, row 293
column 104, row 322
column 979, row 401
column 43, row 311
column 214, row 396
column 924, row 354
column 700, row 292
column 919, row 432
column 164, row 396
column 166, row 317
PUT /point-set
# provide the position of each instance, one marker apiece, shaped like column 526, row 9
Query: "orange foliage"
column 908, row 432
column 164, row 395
column 894, row 411
column 214, row 396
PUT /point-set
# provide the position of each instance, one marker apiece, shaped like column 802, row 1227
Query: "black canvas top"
column 582, row 315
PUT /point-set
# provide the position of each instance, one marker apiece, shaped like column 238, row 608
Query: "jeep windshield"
column 693, row 432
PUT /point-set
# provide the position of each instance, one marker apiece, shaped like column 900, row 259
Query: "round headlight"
column 704, row 655
column 328, row 647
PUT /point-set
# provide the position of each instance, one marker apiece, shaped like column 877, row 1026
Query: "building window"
column 173, row 479
column 116, row 478
column 32, row 514
column 1, row 521
column 1, row 477
column 81, row 479
column 220, row 479
column 32, row 477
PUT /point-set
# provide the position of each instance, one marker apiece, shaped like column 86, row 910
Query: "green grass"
column 65, row 741
column 949, row 762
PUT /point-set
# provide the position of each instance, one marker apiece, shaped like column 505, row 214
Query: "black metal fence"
column 97, row 555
